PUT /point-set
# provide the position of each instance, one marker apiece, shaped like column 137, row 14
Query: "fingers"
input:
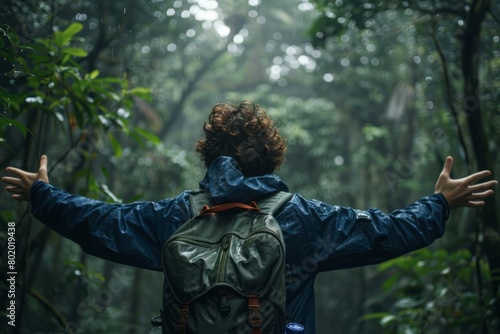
column 12, row 181
column 448, row 165
column 43, row 163
column 477, row 176
column 42, row 170
column 15, row 171
column 474, row 204
column 482, row 186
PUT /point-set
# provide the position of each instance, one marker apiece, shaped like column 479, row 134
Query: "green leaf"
column 76, row 52
column 387, row 320
column 389, row 283
column 64, row 37
column 407, row 303
column 391, row 263
column 142, row 92
column 108, row 192
column 378, row 315
column 5, row 121
column 7, row 56
column 14, row 39
column 148, row 136
column 94, row 74
column 115, row 145
column 23, row 63
column 73, row 29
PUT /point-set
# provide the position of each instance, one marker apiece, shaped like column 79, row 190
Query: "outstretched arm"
column 20, row 186
column 463, row 192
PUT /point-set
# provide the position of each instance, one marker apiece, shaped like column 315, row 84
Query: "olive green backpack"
column 225, row 269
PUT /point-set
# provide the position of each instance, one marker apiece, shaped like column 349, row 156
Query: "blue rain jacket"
column 319, row 236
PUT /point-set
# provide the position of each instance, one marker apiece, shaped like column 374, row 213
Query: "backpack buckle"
column 182, row 321
column 254, row 315
column 224, row 305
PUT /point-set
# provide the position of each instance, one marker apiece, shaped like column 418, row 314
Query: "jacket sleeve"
column 131, row 234
column 341, row 237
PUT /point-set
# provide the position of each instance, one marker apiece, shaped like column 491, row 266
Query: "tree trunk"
column 470, row 51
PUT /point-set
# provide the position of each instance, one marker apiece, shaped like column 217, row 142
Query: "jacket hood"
column 225, row 182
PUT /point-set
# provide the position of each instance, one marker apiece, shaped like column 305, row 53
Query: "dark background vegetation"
column 371, row 97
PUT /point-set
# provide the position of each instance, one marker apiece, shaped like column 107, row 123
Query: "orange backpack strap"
column 206, row 210
column 182, row 321
column 254, row 315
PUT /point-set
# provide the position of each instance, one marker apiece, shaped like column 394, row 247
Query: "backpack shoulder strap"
column 272, row 203
column 269, row 204
column 197, row 200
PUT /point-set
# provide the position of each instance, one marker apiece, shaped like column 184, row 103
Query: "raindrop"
column 304, row 60
column 123, row 112
column 275, row 69
column 34, row 99
column 291, row 50
column 305, row 6
column 238, row 39
column 328, row 77
column 339, row 160
column 274, row 76
column 282, row 82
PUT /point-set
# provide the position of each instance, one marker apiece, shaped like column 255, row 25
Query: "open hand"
column 20, row 185
column 463, row 192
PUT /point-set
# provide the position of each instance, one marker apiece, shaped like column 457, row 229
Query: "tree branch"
column 49, row 307
column 449, row 93
column 496, row 18
column 442, row 10
column 186, row 92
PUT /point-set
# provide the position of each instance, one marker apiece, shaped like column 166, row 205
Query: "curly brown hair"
column 243, row 132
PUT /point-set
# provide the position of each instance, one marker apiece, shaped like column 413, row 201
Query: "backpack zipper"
column 226, row 244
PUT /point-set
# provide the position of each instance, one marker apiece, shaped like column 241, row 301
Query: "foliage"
column 432, row 292
column 58, row 87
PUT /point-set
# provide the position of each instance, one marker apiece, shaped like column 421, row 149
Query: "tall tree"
column 446, row 21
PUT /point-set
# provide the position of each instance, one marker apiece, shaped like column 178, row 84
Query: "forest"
column 371, row 97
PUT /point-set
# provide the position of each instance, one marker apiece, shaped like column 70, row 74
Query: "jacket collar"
column 225, row 182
